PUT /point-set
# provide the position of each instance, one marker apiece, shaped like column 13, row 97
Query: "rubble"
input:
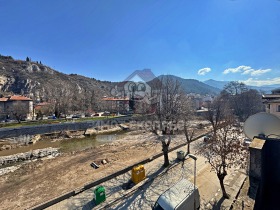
column 32, row 155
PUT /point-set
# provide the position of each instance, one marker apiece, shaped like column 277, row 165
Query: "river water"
column 68, row 145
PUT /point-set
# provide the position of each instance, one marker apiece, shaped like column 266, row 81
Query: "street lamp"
column 194, row 158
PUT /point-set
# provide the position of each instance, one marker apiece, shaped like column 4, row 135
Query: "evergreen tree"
column 27, row 59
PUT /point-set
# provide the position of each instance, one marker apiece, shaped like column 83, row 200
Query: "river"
column 68, row 145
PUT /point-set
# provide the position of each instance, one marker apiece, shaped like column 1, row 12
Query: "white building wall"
column 274, row 109
column 29, row 115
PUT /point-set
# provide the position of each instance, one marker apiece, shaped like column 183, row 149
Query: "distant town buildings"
column 272, row 102
column 201, row 101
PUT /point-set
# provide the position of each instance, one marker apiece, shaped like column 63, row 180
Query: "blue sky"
column 108, row 40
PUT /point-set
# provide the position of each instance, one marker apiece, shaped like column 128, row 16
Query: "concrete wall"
column 255, row 149
column 255, row 163
column 268, row 193
column 52, row 128
column 274, row 109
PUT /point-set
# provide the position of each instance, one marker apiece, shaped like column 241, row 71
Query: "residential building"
column 272, row 102
column 16, row 105
column 134, row 94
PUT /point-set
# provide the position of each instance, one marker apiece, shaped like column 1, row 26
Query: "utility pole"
column 194, row 158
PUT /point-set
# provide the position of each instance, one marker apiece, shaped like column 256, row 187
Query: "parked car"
column 52, row 117
column 95, row 115
column 76, row 116
column 88, row 114
column 208, row 137
column 106, row 113
column 62, row 116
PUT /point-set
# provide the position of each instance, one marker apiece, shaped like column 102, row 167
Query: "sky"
column 109, row 39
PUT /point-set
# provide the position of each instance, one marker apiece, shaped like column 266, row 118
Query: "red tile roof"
column 3, row 99
column 43, row 104
column 19, row 98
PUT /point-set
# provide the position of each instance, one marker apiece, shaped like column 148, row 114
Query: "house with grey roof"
column 272, row 102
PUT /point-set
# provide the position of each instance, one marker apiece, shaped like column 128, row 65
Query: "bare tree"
column 66, row 99
column 223, row 151
column 243, row 101
column 218, row 111
column 250, row 103
column 47, row 109
column 187, row 114
column 167, row 111
column 235, row 88
column 19, row 110
column 189, row 134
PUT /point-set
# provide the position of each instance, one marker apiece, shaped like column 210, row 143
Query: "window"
column 278, row 110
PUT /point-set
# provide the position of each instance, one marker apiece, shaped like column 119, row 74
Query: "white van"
column 180, row 196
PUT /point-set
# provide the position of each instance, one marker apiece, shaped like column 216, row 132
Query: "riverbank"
column 26, row 156
column 67, row 141
column 42, row 180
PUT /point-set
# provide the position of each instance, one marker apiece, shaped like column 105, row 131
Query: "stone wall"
column 32, row 155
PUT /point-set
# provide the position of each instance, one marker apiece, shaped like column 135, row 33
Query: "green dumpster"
column 99, row 195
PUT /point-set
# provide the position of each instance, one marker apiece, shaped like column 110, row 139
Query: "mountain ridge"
column 221, row 84
column 194, row 86
column 42, row 83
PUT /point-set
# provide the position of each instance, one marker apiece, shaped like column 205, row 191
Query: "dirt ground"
column 42, row 180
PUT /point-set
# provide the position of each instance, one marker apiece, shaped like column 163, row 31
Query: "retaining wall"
column 52, row 128
column 32, row 155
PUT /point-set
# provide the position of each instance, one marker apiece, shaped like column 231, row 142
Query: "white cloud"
column 237, row 69
column 203, row 71
column 260, row 71
column 256, row 82
column 246, row 70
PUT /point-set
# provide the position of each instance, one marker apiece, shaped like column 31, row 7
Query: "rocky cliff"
column 43, row 83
